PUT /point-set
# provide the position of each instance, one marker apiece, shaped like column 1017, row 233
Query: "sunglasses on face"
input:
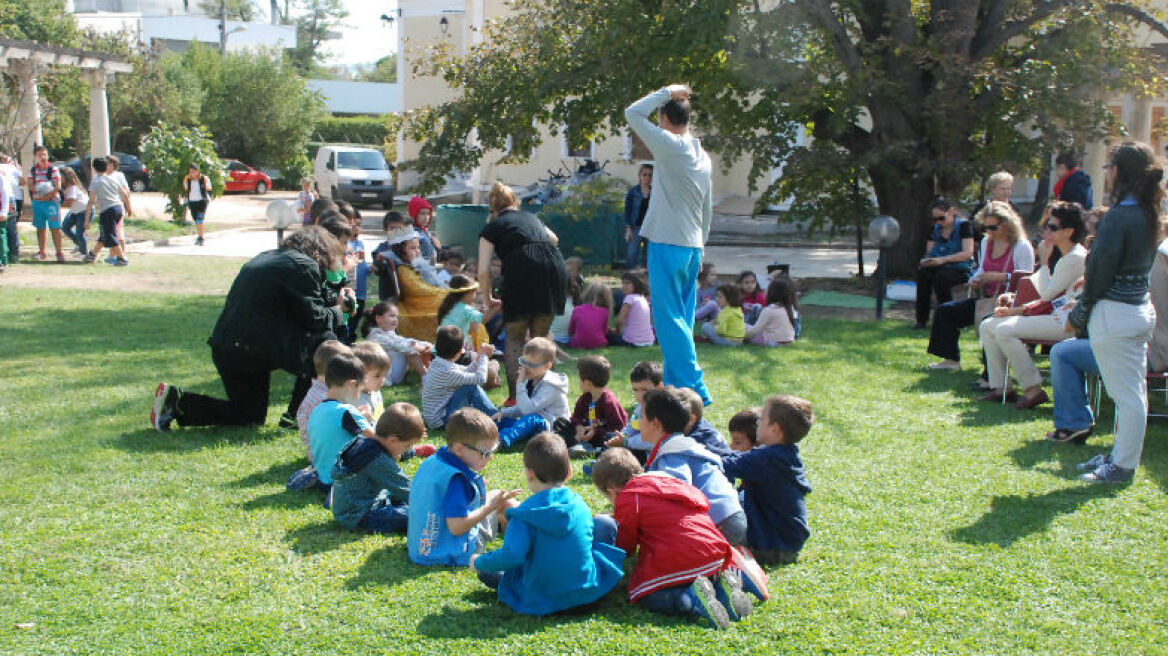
column 1052, row 227
column 992, row 227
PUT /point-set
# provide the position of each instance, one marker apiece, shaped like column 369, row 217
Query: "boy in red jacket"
column 680, row 548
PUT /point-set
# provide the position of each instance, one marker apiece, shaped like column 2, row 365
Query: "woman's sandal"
column 1065, row 435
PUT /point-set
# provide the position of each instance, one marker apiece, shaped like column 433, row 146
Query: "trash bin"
column 596, row 239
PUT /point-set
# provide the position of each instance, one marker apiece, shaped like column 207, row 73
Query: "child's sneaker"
column 424, row 450
column 704, row 603
column 165, row 407
column 752, row 577
column 110, row 259
column 303, row 479
column 40, row 256
column 121, row 261
column 90, row 258
column 728, row 590
column 60, row 257
column 581, row 451
column 1109, row 472
column 199, row 241
column 587, row 468
column 1094, row 463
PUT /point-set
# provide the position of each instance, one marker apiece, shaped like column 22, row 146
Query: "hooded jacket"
column 684, row 458
column 365, row 477
column 548, row 398
column 705, row 434
column 548, row 558
column 667, row 523
column 773, row 484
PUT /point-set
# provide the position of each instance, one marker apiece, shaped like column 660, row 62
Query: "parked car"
column 241, row 177
column 130, row 166
column 354, row 173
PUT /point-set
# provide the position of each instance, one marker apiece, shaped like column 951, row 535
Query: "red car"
column 241, row 177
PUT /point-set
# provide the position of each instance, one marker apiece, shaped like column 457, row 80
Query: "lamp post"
column 280, row 214
column 884, row 231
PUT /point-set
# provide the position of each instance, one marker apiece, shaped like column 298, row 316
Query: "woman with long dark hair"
column 1115, row 307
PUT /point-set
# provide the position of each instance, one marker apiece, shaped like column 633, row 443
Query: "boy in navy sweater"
column 370, row 491
column 773, row 481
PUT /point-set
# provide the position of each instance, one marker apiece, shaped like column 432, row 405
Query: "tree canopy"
column 905, row 98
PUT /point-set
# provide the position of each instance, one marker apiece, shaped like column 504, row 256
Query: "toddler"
column 376, row 369
column 336, row 421
column 665, row 415
column 644, row 376
column 730, row 327
column 666, row 522
column 541, row 397
column 317, row 392
column 380, row 326
column 700, row 430
column 422, row 213
column 370, row 492
column 451, row 514
column 634, row 326
column 449, row 386
column 744, row 430
column 773, row 481
column 588, row 326
column 707, row 290
column 458, row 309
column 452, row 260
column 552, row 557
column 598, row 415
column 776, row 322
column 385, row 260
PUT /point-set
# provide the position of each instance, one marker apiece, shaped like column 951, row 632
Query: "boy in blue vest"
column 552, row 557
column 451, row 512
column 336, row 421
column 370, row 491
column 773, row 481
column 666, row 416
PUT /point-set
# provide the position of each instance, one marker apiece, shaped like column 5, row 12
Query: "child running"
column 75, row 203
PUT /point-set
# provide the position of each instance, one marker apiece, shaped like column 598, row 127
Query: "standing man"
column 676, row 226
column 11, row 177
column 1073, row 185
column 44, row 186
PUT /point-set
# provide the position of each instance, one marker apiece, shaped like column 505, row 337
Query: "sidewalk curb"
column 189, row 240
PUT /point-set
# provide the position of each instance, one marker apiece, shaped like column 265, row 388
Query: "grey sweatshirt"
column 681, row 206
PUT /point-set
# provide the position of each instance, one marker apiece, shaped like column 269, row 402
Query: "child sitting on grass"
column 370, row 492
column 707, row 306
column 317, row 392
column 702, row 431
column 541, row 398
column 666, row 522
column 744, row 430
column 336, row 421
column 451, row 514
column 598, row 415
column 634, row 327
column 449, row 386
column 666, row 414
column 774, row 483
column 644, row 376
column 457, row 309
column 730, row 327
column 552, row 557
column 588, row 327
column 380, row 326
column 377, row 365
column 776, row 322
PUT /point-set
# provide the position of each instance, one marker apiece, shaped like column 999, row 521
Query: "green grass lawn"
column 939, row 524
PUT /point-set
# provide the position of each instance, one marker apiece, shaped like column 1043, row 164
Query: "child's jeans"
column 733, row 528
column 471, row 396
column 512, row 431
column 711, row 332
column 74, row 228
column 669, row 601
column 386, row 519
column 706, row 311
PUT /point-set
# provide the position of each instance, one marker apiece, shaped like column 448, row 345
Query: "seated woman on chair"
column 419, row 290
column 1003, row 335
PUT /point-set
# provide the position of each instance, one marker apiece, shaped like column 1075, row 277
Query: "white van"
column 353, row 173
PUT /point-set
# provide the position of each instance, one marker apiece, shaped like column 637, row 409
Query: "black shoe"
column 165, row 407
column 288, row 421
column 199, row 241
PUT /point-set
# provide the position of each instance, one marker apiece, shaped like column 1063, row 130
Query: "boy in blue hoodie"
column 700, row 430
column 552, row 557
column 370, row 491
column 773, row 481
column 451, row 512
column 666, row 415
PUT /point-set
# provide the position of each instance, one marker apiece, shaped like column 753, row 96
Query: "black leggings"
column 936, row 280
column 247, row 382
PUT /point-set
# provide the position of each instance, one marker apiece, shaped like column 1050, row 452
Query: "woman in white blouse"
column 1002, row 335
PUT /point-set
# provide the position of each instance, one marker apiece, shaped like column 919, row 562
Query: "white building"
column 173, row 24
column 349, row 97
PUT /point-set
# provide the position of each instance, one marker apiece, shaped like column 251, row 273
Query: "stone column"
column 29, row 118
column 1141, row 119
column 99, row 130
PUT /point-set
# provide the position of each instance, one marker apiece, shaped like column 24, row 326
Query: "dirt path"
column 146, row 273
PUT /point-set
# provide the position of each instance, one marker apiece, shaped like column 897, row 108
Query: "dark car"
column 130, row 166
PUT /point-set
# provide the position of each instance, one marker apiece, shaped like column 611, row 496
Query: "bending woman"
column 1002, row 335
column 274, row 317
column 534, row 279
column 1005, row 250
column 1115, row 307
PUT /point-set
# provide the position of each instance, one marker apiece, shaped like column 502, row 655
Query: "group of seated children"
column 592, row 326
column 731, row 314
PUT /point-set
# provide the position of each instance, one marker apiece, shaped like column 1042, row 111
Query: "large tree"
column 905, row 98
column 314, row 26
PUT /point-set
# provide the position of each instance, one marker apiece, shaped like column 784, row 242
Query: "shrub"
column 168, row 151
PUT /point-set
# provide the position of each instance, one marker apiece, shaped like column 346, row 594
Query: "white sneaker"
column 945, row 365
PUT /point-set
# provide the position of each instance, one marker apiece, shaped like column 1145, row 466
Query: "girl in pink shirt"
column 634, row 326
column 589, row 324
column 778, row 319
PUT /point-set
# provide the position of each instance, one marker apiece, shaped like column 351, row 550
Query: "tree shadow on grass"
column 190, row 439
column 1014, row 517
column 320, row 537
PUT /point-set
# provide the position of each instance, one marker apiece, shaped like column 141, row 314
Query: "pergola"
column 27, row 60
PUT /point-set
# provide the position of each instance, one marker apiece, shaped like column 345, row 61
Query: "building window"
column 574, row 147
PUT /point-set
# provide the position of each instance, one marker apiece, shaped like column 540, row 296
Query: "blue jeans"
column 386, row 519
column 512, row 431
column 669, row 601
column 471, row 396
column 673, row 286
column 635, row 251
column 733, row 528
column 711, row 333
column 1070, row 362
column 74, row 228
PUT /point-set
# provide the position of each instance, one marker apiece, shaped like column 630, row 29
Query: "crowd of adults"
column 1087, row 290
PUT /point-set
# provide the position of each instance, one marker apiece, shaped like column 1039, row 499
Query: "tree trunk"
column 907, row 201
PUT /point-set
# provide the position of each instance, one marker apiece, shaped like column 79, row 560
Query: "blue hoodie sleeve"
column 676, row 467
column 747, row 465
column 516, row 544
